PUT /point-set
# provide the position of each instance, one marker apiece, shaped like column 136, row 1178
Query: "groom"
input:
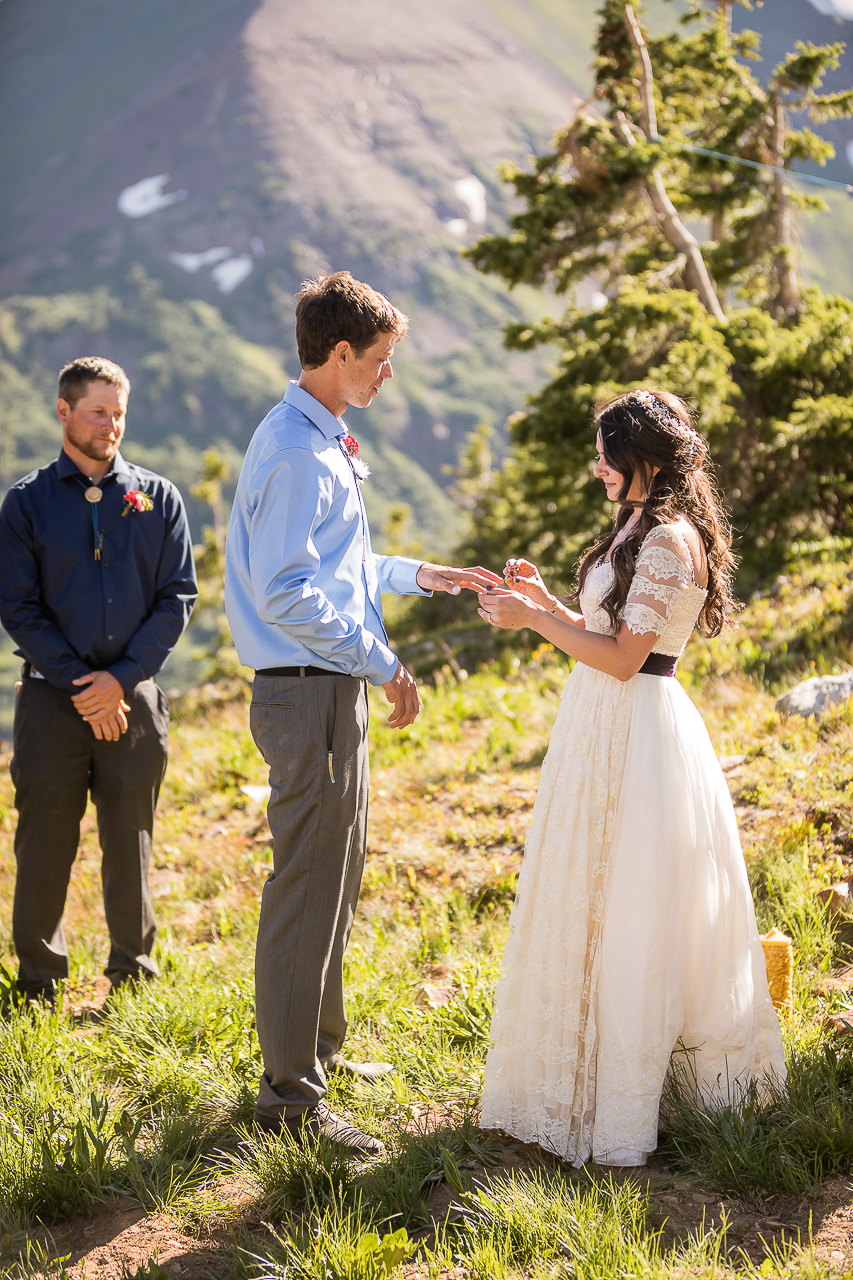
column 302, row 593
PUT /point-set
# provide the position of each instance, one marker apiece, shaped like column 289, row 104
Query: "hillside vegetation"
column 198, row 383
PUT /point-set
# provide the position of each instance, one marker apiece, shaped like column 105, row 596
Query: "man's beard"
column 97, row 450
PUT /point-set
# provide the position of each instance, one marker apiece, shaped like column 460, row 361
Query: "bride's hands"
column 523, row 576
column 506, row 609
column 526, row 594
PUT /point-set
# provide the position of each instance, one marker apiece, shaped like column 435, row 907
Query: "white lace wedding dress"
column 633, row 932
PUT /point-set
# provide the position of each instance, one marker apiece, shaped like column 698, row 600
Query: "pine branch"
column 696, row 274
column 648, row 111
column 830, row 106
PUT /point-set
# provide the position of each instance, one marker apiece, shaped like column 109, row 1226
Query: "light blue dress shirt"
column 302, row 583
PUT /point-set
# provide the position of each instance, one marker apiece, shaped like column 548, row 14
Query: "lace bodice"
column 663, row 598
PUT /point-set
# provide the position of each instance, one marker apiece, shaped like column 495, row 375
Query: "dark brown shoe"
column 321, row 1123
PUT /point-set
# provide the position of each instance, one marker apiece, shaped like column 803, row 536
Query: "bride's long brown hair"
column 641, row 430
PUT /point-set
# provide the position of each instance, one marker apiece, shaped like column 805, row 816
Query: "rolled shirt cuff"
column 399, row 574
column 383, row 665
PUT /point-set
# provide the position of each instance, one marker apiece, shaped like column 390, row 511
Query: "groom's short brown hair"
column 336, row 308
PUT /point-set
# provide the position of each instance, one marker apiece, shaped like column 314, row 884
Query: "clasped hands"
column 511, row 606
column 101, row 704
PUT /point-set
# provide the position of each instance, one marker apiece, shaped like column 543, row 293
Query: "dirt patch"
column 756, row 1225
column 121, row 1237
column 834, row 1236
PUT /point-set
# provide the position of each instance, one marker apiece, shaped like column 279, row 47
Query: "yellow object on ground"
column 779, row 959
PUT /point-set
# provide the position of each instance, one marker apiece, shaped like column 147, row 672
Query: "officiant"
column 97, row 584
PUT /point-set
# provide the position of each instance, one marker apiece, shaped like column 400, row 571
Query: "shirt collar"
column 322, row 418
column 65, row 467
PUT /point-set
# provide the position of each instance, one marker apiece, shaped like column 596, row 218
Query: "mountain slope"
column 221, row 150
column 276, row 140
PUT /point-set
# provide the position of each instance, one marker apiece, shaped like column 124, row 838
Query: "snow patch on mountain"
column 147, row 196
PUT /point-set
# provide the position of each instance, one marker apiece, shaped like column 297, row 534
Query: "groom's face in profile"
column 365, row 374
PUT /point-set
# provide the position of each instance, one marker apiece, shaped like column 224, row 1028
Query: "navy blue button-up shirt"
column 70, row 613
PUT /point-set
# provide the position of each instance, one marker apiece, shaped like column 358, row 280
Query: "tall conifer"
column 697, row 260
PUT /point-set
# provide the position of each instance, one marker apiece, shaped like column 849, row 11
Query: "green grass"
column 149, row 1102
column 779, row 1140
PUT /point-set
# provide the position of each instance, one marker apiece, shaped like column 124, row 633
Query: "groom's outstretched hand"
column 403, row 692
column 401, row 689
column 442, row 577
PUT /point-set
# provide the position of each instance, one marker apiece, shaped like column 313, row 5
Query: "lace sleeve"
column 662, row 572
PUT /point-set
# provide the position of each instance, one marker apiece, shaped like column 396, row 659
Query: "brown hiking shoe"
column 320, row 1122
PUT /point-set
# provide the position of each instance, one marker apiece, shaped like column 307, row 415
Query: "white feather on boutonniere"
column 360, row 469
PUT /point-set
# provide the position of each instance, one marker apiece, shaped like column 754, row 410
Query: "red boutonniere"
column 136, row 501
column 359, row 469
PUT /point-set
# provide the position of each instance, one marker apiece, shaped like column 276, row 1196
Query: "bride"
column 633, row 932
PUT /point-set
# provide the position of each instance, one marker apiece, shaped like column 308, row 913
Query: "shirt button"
column 109, row 637
column 109, row 599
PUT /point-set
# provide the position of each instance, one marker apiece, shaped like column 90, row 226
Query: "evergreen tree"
column 722, row 320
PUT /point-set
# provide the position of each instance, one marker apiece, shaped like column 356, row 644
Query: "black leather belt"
column 659, row 664
column 297, row 671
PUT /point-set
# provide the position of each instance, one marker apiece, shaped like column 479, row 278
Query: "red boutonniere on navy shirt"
column 136, row 501
column 360, row 469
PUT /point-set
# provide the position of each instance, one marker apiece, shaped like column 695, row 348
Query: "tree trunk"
column 696, row 274
column 788, row 294
column 724, row 9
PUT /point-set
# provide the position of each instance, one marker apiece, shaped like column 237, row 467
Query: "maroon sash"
column 659, row 664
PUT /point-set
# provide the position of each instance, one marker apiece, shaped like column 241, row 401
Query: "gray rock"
column 814, row 697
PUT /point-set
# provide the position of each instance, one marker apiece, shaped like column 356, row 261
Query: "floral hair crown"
column 656, row 409
column 666, row 417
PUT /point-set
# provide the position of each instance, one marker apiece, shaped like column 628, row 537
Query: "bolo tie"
column 93, row 494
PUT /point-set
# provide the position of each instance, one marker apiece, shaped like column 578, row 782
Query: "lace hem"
column 620, row 1127
column 565, row 1136
column 537, row 1102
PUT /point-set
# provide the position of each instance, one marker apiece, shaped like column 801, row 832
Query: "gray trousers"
column 312, row 732
column 56, row 762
